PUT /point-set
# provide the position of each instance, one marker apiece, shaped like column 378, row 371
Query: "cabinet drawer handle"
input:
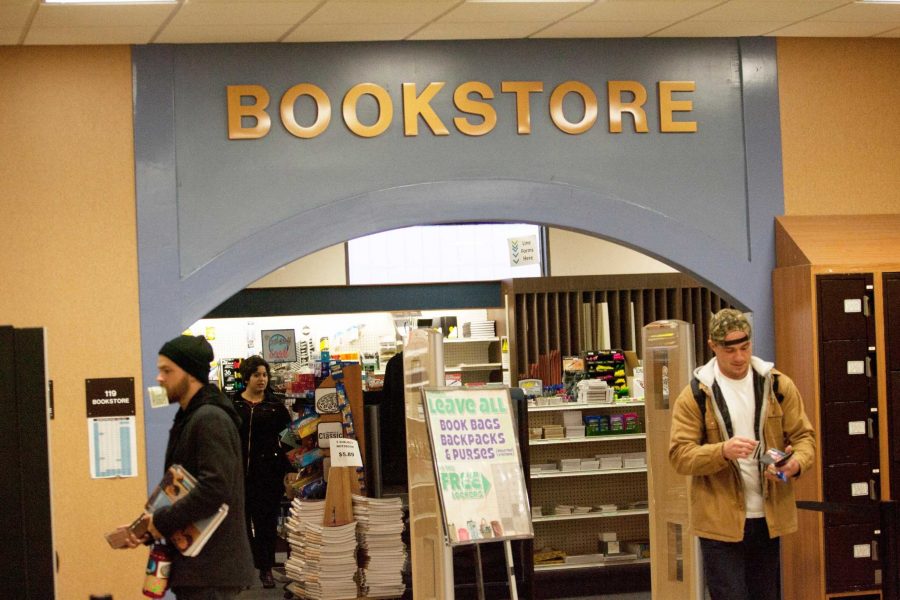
column 869, row 367
column 870, row 428
column 874, row 549
column 866, row 310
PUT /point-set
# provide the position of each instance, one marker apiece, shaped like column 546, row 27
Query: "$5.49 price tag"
column 345, row 453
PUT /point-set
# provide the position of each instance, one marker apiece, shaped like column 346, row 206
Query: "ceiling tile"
column 16, row 14
column 870, row 13
column 102, row 17
column 214, row 21
column 9, row 36
column 387, row 11
column 832, row 29
column 220, row 33
column 893, row 33
column 237, row 13
column 645, row 10
column 588, row 29
column 511, row 12
column 352, row 32
column 692, row 28
column 119, row 34
column 768, row 10
column 474, row 31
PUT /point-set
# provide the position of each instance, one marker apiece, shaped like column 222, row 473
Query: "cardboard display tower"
column 675, row 567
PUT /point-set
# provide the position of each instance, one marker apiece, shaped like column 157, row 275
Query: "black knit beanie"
column 191, row 353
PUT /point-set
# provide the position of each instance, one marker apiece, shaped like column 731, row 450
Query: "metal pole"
column 479, row 576
column 510, row 570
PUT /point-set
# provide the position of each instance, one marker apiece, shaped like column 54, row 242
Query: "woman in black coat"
column 263, row 417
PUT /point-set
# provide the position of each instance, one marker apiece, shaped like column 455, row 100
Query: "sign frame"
column 289, row 337
column 513, row 463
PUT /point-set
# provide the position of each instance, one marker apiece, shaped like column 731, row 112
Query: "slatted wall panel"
column 564, row 314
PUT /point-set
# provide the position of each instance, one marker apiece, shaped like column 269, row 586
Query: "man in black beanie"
column 204, row 440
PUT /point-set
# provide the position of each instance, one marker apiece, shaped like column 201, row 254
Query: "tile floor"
column 257, row 592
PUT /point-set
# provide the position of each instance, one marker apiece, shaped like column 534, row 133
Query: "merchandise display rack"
column 583, row 406
column 576, row 534
column 586, row 473
column 477, row 359
column 577, row 567
column 592, row 515
column 590, row 439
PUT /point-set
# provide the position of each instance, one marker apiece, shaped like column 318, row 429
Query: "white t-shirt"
column 741, row 402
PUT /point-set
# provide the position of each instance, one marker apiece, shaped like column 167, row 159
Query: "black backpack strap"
column 779, row 396
column 699, row 396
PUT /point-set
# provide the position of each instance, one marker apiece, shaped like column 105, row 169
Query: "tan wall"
column 840, row 125
column 69, row 263
column 69, row 260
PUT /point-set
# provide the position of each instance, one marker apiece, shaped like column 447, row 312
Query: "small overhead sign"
column 523, row 251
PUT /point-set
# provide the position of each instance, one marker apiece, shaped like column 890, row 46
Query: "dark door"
column 27, row 572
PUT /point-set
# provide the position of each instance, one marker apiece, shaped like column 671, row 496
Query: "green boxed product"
column 616, row 424
column 632, row 423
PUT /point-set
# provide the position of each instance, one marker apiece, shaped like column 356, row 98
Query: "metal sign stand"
column 479, row 574
column 510, row 571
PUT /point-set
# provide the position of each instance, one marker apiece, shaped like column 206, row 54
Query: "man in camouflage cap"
column 736, row 408
column 725, row 321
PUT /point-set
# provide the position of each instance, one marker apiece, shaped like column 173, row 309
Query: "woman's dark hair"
column 250, row 364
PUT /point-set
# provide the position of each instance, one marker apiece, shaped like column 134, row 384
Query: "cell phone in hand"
column 774, row 456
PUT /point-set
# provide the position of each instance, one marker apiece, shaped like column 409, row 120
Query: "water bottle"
column 158, row 564
column 325, row 357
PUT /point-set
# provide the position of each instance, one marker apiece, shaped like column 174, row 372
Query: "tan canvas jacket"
column 716, row 491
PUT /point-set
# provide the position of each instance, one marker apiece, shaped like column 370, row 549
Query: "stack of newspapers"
column 322, row 564
column 379, row 525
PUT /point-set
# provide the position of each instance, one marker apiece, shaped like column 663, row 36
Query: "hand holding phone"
column 777, row 459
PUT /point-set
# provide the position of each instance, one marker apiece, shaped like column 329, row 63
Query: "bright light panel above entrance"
column 440, row 253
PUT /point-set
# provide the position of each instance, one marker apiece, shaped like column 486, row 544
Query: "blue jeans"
column 745, row 570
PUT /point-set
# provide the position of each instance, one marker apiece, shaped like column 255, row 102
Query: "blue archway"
column 173, row 297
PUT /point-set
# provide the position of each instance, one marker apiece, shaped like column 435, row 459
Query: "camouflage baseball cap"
column 725, row 321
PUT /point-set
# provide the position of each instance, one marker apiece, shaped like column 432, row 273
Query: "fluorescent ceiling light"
column 110, row 1
column 878, row 1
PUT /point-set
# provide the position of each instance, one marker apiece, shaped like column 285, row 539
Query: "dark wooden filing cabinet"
column 837, row 334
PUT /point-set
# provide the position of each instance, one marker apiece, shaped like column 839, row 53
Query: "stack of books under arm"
column 322, row 564
column 379, row 525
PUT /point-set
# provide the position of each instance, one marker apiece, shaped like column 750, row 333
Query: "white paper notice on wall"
column 852, row 305
column 856, row 367
column 856, row 427
column 860, row 488
column 523, row 251
column 862, row 551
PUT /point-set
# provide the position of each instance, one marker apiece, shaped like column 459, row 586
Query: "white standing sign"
column 477, row 464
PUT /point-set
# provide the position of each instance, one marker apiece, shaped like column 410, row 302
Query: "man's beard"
column 178, row 391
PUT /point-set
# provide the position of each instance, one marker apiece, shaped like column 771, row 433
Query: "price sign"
column 345, row 453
